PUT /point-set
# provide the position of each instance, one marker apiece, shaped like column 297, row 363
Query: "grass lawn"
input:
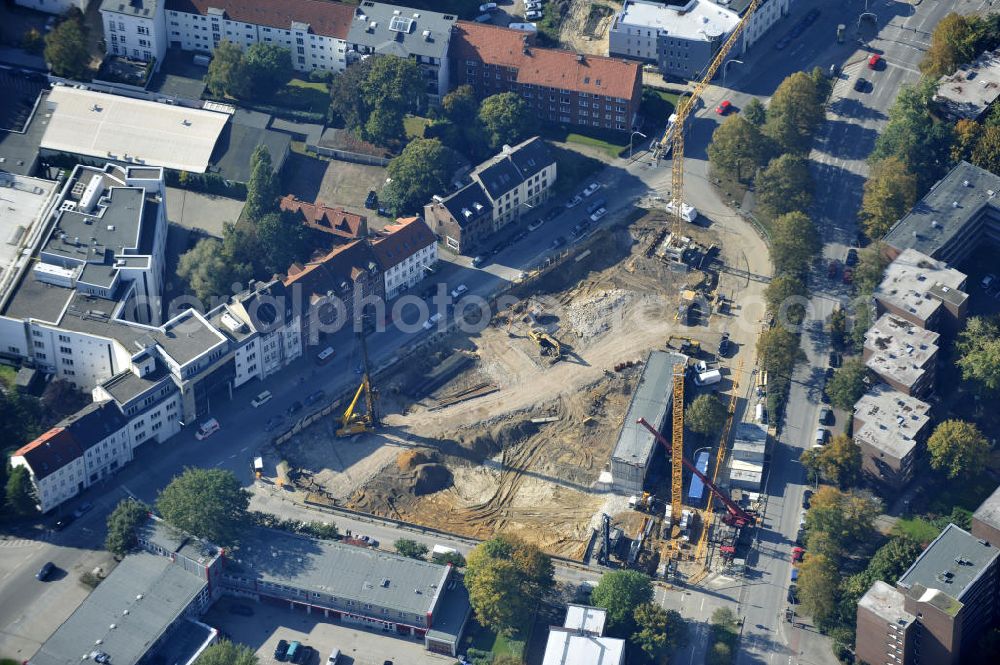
column 917, row 528
column 572, row 169
column 483, row 639
column 611, row 143
column 7, row 376
column 415, row 125
column 302, row 95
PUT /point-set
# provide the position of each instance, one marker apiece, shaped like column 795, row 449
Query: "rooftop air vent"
column 954, row 204
column 966, row 183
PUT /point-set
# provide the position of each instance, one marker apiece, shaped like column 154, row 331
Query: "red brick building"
column 559, row 86
column 344, row 226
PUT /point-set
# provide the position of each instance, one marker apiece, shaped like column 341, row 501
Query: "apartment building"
column 503, row 189
column 902, row 354
column 986, row 519
column 581, row 640
column 406, row 252
column 939, row 607
column 419, row 35
column 342, row 225
column 969, row 92
column 134, row 29
column 266, row 322
column 923, row 291
column 558, row 86
column 890, row 428
column 58, row 7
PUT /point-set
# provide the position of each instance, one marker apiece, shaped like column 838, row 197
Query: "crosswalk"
column 12, row 543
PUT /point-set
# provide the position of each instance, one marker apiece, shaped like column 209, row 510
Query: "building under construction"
column 651, row 400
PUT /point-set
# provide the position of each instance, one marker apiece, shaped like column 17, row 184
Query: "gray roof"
column 886, row 602
column 19, row 149
column 452, row 613
column 499, row 177
column 160, row 534
column 466, row 199
column 239, row 138
column 916, row 283
column 345, row 571
column 900, row 350
column 413, row 41
column 939, row 567
column 128, row 385
column 988, row 511
column 505, row 171
column 94, row 423
column 891, row 420
column 651, row 400
column 141, row 8
column 186, row 336
column 115, row 227
column 935, row 221
column 153, row 590
column 971, row 89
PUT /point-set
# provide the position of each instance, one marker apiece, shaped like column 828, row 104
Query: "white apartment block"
column 768, row 13
column 54, row 6
column 134, row 29
column 405, row 251
column 517, row 180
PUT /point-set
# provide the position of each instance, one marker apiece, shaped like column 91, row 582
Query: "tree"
column 20, row 492
column 986, row 153
column 785, row 186
column 738, row 148
column 786, row 297
column 373, row 96
column 847, row 385
column 507, row 578
column 66, row 49
column 208, row 503
column 958, row 449
column 870, row 270
column 952, row 44
column 890, row 192
column 967, row 134
column 838, row 462
column 778, row 349
column 32, row 41
column 658, row 631
column 506, row 118
column 346, row 94
column 846, row 517
column 979, row 346
column 227, row 73
column 460, row 105
column 208, row 271
column 423, row 169
column 754, row 112
column 123, row 521
column 620, row 592
column 268, row 67
column 794, row 243
column 719, row 654
column 225, row 652
column 410, row 548
column 888, row 564
column 794, row 113
column 705, row 415
column 818, row 587
column 283, row 240
column 838, row 327
column 262, row 188
column 454, row 558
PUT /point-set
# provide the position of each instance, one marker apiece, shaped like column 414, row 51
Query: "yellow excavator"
column 353, row 421
column 548, row 345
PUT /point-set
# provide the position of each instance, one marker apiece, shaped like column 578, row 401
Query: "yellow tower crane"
column 677, row 444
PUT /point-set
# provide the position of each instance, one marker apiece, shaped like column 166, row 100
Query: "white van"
column 688, row 212
column 761, row 413
column 207, row 429
column 261, row 399
column 708, row 378
column 334, row 657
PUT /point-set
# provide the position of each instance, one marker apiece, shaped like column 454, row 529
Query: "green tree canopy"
column 227, row 73
column 838, row 462
column 705, row 415
column 986, row 153
column 410, row 548
column 794, row 243
column 847, row 385
column 845, row 517
column 209, row 271
column 123, row 521
column 979, row 349
column 372, row 97
column 785, row 297
column 870, row 270
column 268, row 66
column 738, row 148
column 506, row 118
column 507, row 578
column 795, row 111
column 423, row 169
column 66, row 49
column 460, row 105
column 283, row 240
column 658, row 631
column 958, row 449
column 225, row 652
column 263, row 186
column 953, row 42
column 208, row 503
column 454, row 558
column 818, row 587
column 620, row 592
column 890, row 192
column 785, row 186
column 20, row 492
column 754, row 112
column 887, row 565
column 778, row 349
column 967, row 133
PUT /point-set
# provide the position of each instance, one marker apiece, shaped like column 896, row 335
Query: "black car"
column 315, row 396
column 793, row 596
column 724, row 344
column 806, row 497
column 63, row 522
column 281, row 651
column 241, row 609
column 861, row 84
column 810, row 17
column 781, row 43
column 372, row 201
column 307, row 655
column 294, row 408
column 82, row 509
column 852, row 257
column 552, row 214
column 45, row 571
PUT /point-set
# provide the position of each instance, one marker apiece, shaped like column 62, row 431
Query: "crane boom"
column 740, row 516
column 677, row 461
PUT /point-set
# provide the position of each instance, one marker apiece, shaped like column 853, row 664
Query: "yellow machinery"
column 677, row 445
column 547, row 344
column 686, row 345
column 353, row 422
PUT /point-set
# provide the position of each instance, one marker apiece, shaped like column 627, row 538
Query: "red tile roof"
column 50, row 452
column 399, row 241
column 331, row 19
column 343, row 264
column 335, row 221
column 553, row 68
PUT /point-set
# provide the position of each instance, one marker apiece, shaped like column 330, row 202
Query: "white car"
column 600, row 212
column 575, row 201
column 532, row 14
column 488, row 7
column 207, row 429
column 688, row 213
column 537, row 6
column 535, row 224
column 261, row 399
column 459, row 290
column 591, row 188
column 432, row 321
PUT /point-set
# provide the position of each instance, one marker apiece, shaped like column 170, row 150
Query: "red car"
column 723, row 108
column 875, row 62
column 797, row 553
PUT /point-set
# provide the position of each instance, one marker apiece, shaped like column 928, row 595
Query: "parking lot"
column 271, row 623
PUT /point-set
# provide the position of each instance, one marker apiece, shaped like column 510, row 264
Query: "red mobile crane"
column 736, row 516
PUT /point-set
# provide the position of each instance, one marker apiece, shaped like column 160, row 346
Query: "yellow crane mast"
column 677, row 444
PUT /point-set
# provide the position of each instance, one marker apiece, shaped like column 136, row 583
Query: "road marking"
column 244, row 449
column 219, row 463
column 898, row 66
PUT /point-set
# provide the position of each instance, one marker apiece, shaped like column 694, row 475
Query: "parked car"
column 822, row 435
column 724, row 344
column 533, row 15
column 575, row 201
column 834, row 71
column 536, row 224
column 281, row 651
column 851, row 258
column 781, row 43
column 826, row 416
column 371, row 201
column 459, row 290
column 797, row 553
column 63, row 522
column 598, row 214
column 806, row 497
column 558, row 242
column 241, row 610
column 207, row 429
column 82, row 509
column 590, row 189
column 861, row 84
column 724, row 107
column 314, row 397
column 488, row 7
column 432, row 321
column 45, row 571
column 261, row 399
column 484, row 18
column 308, row 655
column 793, row 597
column 875, row 62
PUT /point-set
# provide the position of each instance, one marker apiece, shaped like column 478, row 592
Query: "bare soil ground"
column 524, row 459
column 585, row 26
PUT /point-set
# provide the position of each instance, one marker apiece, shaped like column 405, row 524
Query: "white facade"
column 768, row 13
column 134, row 29
column 82, row 359
column 57, row 487
column 408, row 272
column 54, row 6
column 107, row 455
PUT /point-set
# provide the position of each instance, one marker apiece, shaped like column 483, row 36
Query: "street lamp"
column 630, row 138
column 725, row 69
